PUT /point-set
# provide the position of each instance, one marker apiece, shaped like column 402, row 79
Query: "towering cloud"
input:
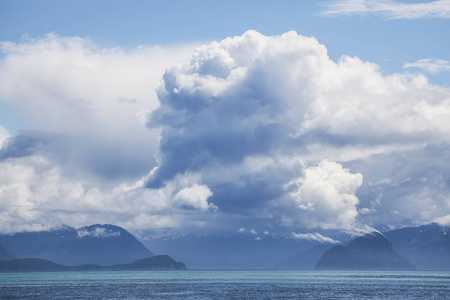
column 252, row 113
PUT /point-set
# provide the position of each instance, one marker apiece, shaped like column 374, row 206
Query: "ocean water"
column 226, row 284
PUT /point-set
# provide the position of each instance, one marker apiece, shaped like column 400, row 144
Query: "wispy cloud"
column 388, row 8
column 98, row 232
column 314, row 237
column 431, row 65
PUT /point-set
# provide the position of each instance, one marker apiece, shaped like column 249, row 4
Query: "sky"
column 224, row 116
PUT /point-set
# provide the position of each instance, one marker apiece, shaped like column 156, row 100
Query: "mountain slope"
column 304, row 259
column 5, row 254
column 427, row 246
column 95, row 244
column 371, row 251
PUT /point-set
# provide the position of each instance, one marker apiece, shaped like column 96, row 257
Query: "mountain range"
column 426, row 247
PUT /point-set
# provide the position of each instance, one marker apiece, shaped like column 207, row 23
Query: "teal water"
column 226, row 284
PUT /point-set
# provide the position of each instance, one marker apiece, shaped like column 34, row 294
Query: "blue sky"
column 112, row 23
column 109, row 114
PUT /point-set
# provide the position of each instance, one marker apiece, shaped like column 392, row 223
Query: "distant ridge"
column 426, row 246
column 305, row 259
column 230, row 251
column 159, row 262
column 372, row 251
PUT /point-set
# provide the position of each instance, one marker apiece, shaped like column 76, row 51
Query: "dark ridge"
column 160, row 262
column 30, row 264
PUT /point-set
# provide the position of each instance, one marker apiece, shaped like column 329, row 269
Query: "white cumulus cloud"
column 89, row 95
column 327, row 194
column 195, row 196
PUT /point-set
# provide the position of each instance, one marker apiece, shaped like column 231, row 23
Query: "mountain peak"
column 370, row 251
column 370, row 242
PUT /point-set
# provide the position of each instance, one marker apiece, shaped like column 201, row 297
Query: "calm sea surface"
column 226, row 284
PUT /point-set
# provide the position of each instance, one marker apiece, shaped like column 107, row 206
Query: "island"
column 158, row 262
